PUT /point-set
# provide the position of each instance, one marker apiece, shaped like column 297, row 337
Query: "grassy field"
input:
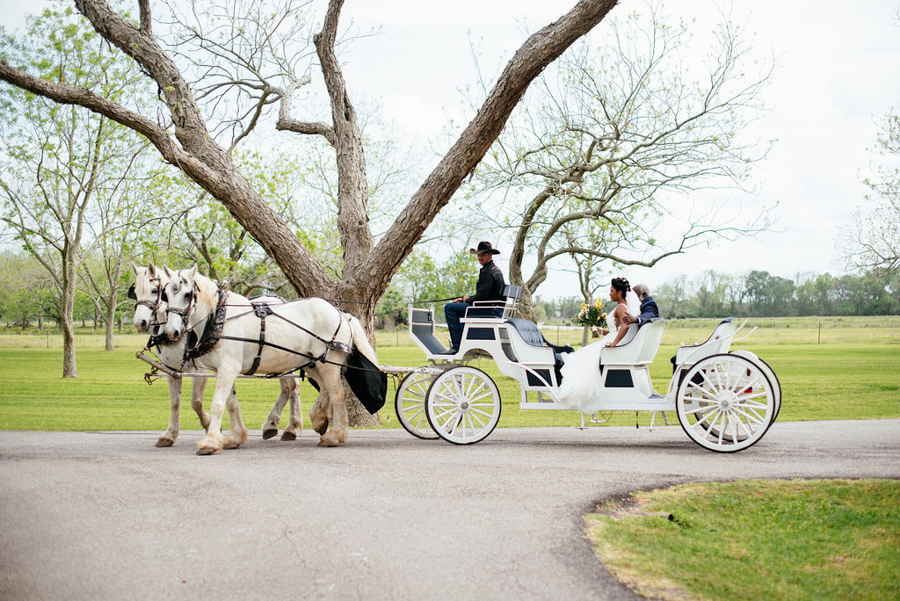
column 830, row 368
column 815, row 539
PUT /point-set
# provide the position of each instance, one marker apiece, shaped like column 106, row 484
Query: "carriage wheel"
column 773, row 379
column 409, row 403
column 463, row 405
column 776, row 385
column 729, row 405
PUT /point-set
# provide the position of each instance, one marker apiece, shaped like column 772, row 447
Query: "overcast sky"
column 837, row 71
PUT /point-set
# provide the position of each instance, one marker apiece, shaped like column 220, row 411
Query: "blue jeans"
column 453, row 311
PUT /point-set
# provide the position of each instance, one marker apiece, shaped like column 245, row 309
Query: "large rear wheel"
column 726, row 403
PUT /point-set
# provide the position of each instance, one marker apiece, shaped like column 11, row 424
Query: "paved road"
column 109, row 516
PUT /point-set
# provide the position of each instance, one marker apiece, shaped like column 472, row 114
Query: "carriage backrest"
column 421, row 329
column 512, row 294
column 718, row 342
column 509, row 304
column 640, row 350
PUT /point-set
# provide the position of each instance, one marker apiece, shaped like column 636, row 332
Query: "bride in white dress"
column 581, row 384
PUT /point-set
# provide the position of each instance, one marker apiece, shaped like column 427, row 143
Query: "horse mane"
column 207, row 290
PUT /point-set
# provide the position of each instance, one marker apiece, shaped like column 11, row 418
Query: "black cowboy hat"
column 484, row 247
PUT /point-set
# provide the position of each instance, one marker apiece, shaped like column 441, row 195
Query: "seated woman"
column 621, row 333
column 581, row 384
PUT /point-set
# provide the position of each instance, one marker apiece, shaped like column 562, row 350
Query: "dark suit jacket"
column 649, row 310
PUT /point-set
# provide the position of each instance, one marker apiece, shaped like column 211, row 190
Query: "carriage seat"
column 532, row 336
column 718, row 342
column 640, row 350
column 509, row 304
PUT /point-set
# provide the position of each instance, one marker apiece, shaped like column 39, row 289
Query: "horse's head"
column 146, row 292
column 180, row 295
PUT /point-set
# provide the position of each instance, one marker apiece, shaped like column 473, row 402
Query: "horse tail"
column 360, row 339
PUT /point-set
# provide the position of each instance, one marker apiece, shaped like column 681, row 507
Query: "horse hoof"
column 329, row 440
column 288, row 435
column 322, row 428
column 205, row 447
column 164, row 441
column 267, row 434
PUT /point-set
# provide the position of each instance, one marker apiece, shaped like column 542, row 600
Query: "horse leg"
column 168, row 438
column 270, row 426
column 198, row 385
column 331, row 383
column 212, row 442
column 291, row 387
column 319, row 413
column 237, row 435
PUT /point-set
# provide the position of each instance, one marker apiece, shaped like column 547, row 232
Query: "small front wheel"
column 410, row 405
column 463, row 405
column 726, row 403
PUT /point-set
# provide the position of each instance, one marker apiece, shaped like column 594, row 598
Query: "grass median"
column 815, row 539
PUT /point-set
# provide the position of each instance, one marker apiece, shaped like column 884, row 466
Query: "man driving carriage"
column 490, row 284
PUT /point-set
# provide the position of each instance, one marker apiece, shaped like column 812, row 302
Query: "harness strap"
column 312, row 361
column 261, row 310
column 329, row 344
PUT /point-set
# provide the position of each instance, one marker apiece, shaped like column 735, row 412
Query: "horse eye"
column 155, row 291
column 131, row 293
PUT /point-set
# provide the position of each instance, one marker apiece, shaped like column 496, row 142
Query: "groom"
column 649, row 309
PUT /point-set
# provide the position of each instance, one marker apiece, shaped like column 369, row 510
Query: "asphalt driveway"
column 110, row 516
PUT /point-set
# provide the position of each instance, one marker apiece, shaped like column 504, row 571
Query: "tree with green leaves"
column 60, row 160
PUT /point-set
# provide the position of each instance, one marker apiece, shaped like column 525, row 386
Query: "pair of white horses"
column 309, row 333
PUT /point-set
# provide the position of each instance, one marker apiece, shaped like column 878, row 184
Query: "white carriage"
column 725, row 400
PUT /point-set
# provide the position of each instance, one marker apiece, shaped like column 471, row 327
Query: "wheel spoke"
column 699, row 409
column 703, row 391
column 751, row 416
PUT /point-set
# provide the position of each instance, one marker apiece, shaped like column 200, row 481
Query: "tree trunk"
column 109, row 323
column 70, row 370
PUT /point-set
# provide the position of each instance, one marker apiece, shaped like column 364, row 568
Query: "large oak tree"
column 185, row 140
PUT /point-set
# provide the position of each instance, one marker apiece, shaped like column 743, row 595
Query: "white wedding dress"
column 581, row 387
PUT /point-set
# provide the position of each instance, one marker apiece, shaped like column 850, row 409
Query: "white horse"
column 149, row 317
column 309, row 333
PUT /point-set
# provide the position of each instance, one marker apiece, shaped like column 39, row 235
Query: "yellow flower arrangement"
column 591, row 315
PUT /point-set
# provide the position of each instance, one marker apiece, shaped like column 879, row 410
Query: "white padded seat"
column 640, row 350
column 718, row 342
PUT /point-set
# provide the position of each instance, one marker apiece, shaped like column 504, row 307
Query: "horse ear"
column 192, row 272
column 134, row 269
column 169, row 272
column 151, row 269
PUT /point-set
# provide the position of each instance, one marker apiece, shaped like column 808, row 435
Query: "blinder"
column 131, row 293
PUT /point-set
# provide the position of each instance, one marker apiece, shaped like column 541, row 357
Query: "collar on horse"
column 197, row 346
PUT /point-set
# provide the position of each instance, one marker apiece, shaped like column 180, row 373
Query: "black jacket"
column 490, row 283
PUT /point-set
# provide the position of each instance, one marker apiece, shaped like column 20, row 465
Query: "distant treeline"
column 759, row 294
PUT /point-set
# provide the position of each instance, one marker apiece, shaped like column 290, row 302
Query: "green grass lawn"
column 796, row 540
column 848, row 369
